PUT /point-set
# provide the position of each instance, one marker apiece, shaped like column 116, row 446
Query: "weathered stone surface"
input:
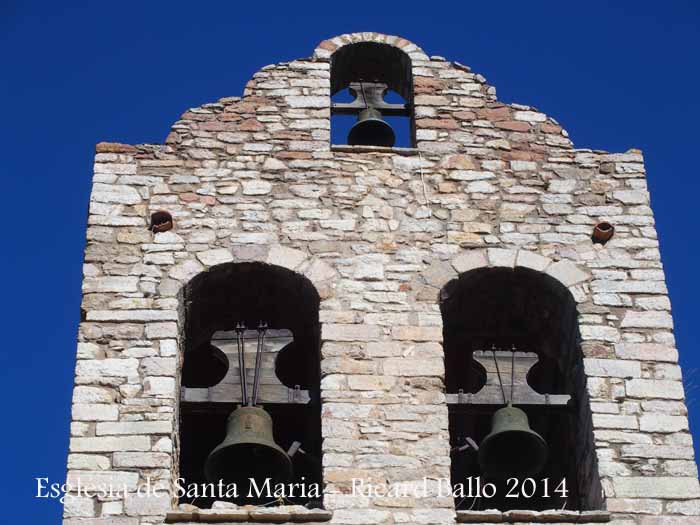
column 612, row 368
column 110, row 284
column 286, row 257
column 661, row 423
column 214, row 257
column 646, row 352
column 134, row 427
column 656, row 487
column 567, row 273
column 107, row 367
column 647, row 320
column 652, row 388
column 110, row 444
column 378, row 233
column 471, row 260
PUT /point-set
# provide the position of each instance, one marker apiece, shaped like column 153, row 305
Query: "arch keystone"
column 502, row 257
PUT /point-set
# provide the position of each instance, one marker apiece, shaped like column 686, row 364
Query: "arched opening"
column 375, row 76
column 272, row 314
column 511, row 336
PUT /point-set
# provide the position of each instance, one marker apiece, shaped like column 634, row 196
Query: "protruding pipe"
column 161, row 221
column 603, row 232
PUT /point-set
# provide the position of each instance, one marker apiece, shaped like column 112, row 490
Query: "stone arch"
column 275, row 284
column 524, row 306
column 326, row 48
column 315, row 269
column 439, row 273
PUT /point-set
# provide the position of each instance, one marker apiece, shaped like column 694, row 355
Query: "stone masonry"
column 378, row 232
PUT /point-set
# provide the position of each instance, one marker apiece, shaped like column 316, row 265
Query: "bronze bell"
column 512, row 448
column 371, row 130
column 248, row 451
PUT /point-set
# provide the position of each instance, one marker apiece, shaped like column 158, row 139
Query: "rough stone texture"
column 256, row 179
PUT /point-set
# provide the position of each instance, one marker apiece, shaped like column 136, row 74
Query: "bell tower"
column 374, row 288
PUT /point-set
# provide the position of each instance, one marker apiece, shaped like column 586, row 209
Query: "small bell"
column 248, row 451
column 371, row 130
column 512, row 448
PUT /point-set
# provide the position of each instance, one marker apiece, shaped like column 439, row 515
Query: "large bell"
column 512, row 449
column 248, row 451
column 371, row 130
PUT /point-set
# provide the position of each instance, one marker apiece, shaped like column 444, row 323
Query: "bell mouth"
column 239, row 463
column 248, row 452
column 371, row 130
column 512, row 449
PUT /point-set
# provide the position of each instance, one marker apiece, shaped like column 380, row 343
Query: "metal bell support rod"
column 240, row 343
column 240, row 331
column 512, row 374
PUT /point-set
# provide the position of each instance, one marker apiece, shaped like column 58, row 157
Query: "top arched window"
column 372, row 94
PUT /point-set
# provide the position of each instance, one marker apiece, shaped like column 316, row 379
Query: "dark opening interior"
column 525, row 310
column 215, row 301
column 369, row 62
column 161, row 221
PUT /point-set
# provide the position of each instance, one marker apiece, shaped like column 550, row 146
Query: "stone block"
column 95, row 412
column 161, row 331
column 159, row 366
column 350, row 332
column 417, row 333
column 612, row 368
column 134, row 427
column 646, row 352
column 653, row 388
column 567, row 273
column 286, row 257
column 103, row 479
column 651, row 319
column 466, row 261
column 501, row 258
column 88, row 462
column 214, row 257
column 656, row 487
column 662, row 424
column 413, row 367
column 532, row 260
column 132, row 315
column 110, row 284
column 110, row 444
column 159, row 386
column 147, row 504
column 111, row 367
column 615, row 421
column 141, row 460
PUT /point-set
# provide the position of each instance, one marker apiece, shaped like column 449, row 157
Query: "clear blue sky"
column 615, row 77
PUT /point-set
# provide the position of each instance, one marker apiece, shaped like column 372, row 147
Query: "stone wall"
column 378, row 232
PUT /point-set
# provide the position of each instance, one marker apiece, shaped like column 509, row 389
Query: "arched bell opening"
column 372, row 96
column 519, row 327
column 259, row 309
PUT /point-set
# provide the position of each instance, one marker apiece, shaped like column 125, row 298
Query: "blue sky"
column 71, row 75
